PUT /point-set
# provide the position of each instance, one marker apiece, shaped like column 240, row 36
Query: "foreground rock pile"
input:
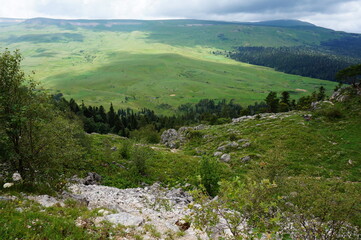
column 162, row 208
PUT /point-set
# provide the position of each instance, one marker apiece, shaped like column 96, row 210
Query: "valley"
column 151, row 63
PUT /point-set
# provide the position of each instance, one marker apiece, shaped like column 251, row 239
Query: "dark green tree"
column 272, row 102
column 321, row 95
column 351, row 75
column 111, row 115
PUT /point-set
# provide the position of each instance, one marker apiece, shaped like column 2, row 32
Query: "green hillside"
column 148, row 63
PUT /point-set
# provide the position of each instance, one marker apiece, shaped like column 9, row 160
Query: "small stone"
column 221, row 148
column 17, row 177
column 246, row 159
column 19, row 210
column 217, row 154
column 226, row 157
column 114, row 148
column 247, row 144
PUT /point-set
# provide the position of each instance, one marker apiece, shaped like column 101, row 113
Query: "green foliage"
column 210, row 175
column 39, row 142
column 316, row 62
column 126, row 149
column 147, row 134
column 248, row 209
column 330, row 113
column 138, row 158
column 321, row 208
column 99, row 75
column 351, row 75
column 272, row 102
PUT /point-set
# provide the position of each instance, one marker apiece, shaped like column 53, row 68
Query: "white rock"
column 46, row 201
column 217, row 154
column 125, row 219
column 8, row 185
column 17, row 177
column 226, row 157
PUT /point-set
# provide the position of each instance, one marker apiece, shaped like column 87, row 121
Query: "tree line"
column 303, row 61
column 126, row 122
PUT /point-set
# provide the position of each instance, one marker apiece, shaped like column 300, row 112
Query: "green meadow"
column 135, row 69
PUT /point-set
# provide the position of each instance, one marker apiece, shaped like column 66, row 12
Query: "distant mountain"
column 284, row 23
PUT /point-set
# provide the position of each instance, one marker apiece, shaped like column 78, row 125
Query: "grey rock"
column 232, row 145
column 226, row 157
column 125, row 219
column 200, row 127
column 19, row 209
column 2, row 198
column 92, row 179
column 114, row 148
column 217, row 154
column 170, row 138
column 242, row 140
column 17, row 177
column 221, row 148
column 46, row 200
column 246, row 159
column 247, row 144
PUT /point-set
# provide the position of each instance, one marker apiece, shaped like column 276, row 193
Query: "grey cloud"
column 191, row 8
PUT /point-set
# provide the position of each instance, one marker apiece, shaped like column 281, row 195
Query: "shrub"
column 138, row 158
column 209, row 172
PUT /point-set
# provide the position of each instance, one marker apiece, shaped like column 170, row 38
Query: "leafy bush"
column 138, row 158
column 147, row 134
column 209, row 172
column 330, row 112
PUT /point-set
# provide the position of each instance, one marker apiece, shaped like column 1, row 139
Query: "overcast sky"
column 344, row 15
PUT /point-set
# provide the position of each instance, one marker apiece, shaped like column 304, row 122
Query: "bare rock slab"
column 125, row 219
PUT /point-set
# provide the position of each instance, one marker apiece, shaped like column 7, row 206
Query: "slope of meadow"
column 135, row 69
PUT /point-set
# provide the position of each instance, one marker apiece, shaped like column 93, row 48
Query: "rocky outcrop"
column 174, row 139
column 263, row 116
column 163, row 208
column 171, row 138
column 343, row 94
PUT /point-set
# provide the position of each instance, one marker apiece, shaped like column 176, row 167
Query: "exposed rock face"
column 345, row 93
column 170, row 138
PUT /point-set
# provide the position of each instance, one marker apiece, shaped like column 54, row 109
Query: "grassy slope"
column 107, row 66
column 318, row 148
column 321, row 147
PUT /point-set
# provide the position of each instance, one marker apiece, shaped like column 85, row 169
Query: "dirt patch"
column 301, row 90
column 172, row 95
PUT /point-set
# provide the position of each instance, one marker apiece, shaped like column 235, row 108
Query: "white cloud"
column 335, row 14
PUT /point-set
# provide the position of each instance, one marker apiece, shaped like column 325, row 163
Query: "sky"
column 343, row 15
